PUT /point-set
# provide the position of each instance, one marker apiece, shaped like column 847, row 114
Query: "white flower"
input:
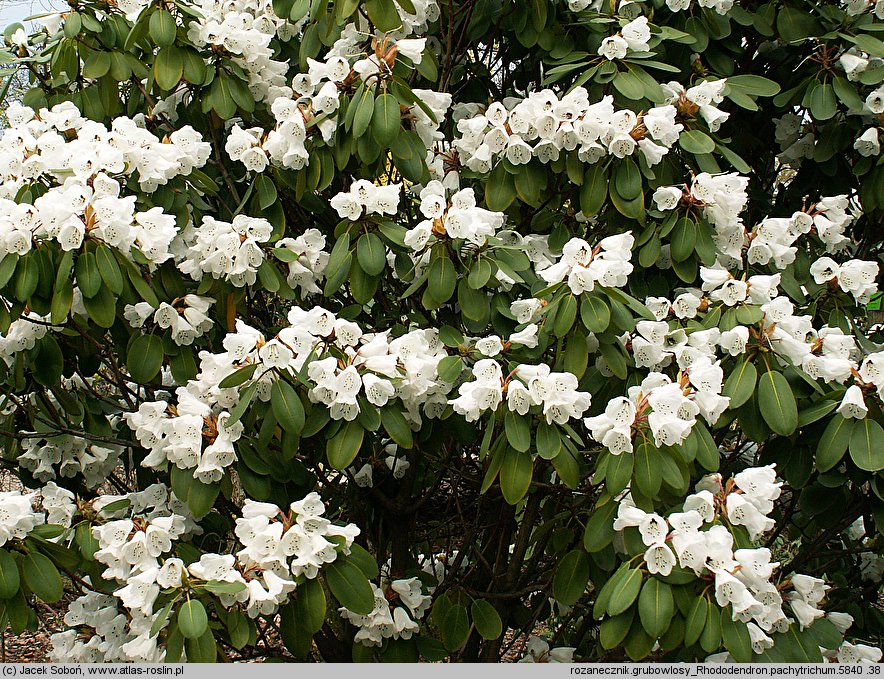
column 614, row 47
column 867, row 143
column 853, row 404
column 659, row 559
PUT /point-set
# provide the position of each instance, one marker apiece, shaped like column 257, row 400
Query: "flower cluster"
column 855, row 276
column 22, row 335
column 245, row 28
column 722, row 198
column 187, row 317
column 669, row 409
column 68, row 457
column 633, row 37
column 698, row 100
column 389, row 619
column 86, row 166
column 58, row 503
column 306, row 262
column 457, row 217
column 190, row 435
column 528, row 385
column 855, row 7
column 697, row 539
column 17, row 515
column 583, row 265
column 538, row 650
column 363, row 195
column 543, row 125
column 229, row 251
column 244, row 146
column 98, row 631
column 279, row 547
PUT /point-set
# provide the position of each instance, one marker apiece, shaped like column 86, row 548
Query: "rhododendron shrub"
column 407, row 330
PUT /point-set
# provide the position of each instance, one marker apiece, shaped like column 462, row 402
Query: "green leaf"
column 847, row 94
column 192, row 619
column 822, row 102
column 710, row 637
column 599, row 531
column 618, row 471
column 624, row 591
column 88, row 274
column 629, row 85
column 595, row 313
column 161, row 619
column 168, row 67
column 455, row 627
column 441, row 280
column 145, row 358
column 238, row 629
column 628, row 178
column 683, row 239
column 450, row 368
column 594, row 190
column 696, row 142
column 815, row 412
column 349, row 585
column 311, row 605
column 696, row 621
column 363, row 115
column 102, row 307
column 517, row 431
column 500, row 190
column 42, row 577
column 647, row 474
column 287, row 407
column 566, row 314
column 383, row 14
column 245, row 399
column 549, row 441
column 397, row 426
column 480, row 274
column 220, row 587
column 572, row 576
column 8, row 265
column 385, row 121
column 363, row 558
column 9, row 578
column 201, row 496
column 567, row 468
column 344, row 446
column 49, row 361
column 777, row 403
column 613, row 631
column 201, row 649
column 486, row 619
column 162, row 27
column 238, row 377
column 109, row 269
column 293, row 630
column 867, row 445
column 371, row 253
column 735, row 636
column 833, row 443
column 740, row 384
column 795, row 24
column 754, row 85
column 515, row 475
column 655, row 607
